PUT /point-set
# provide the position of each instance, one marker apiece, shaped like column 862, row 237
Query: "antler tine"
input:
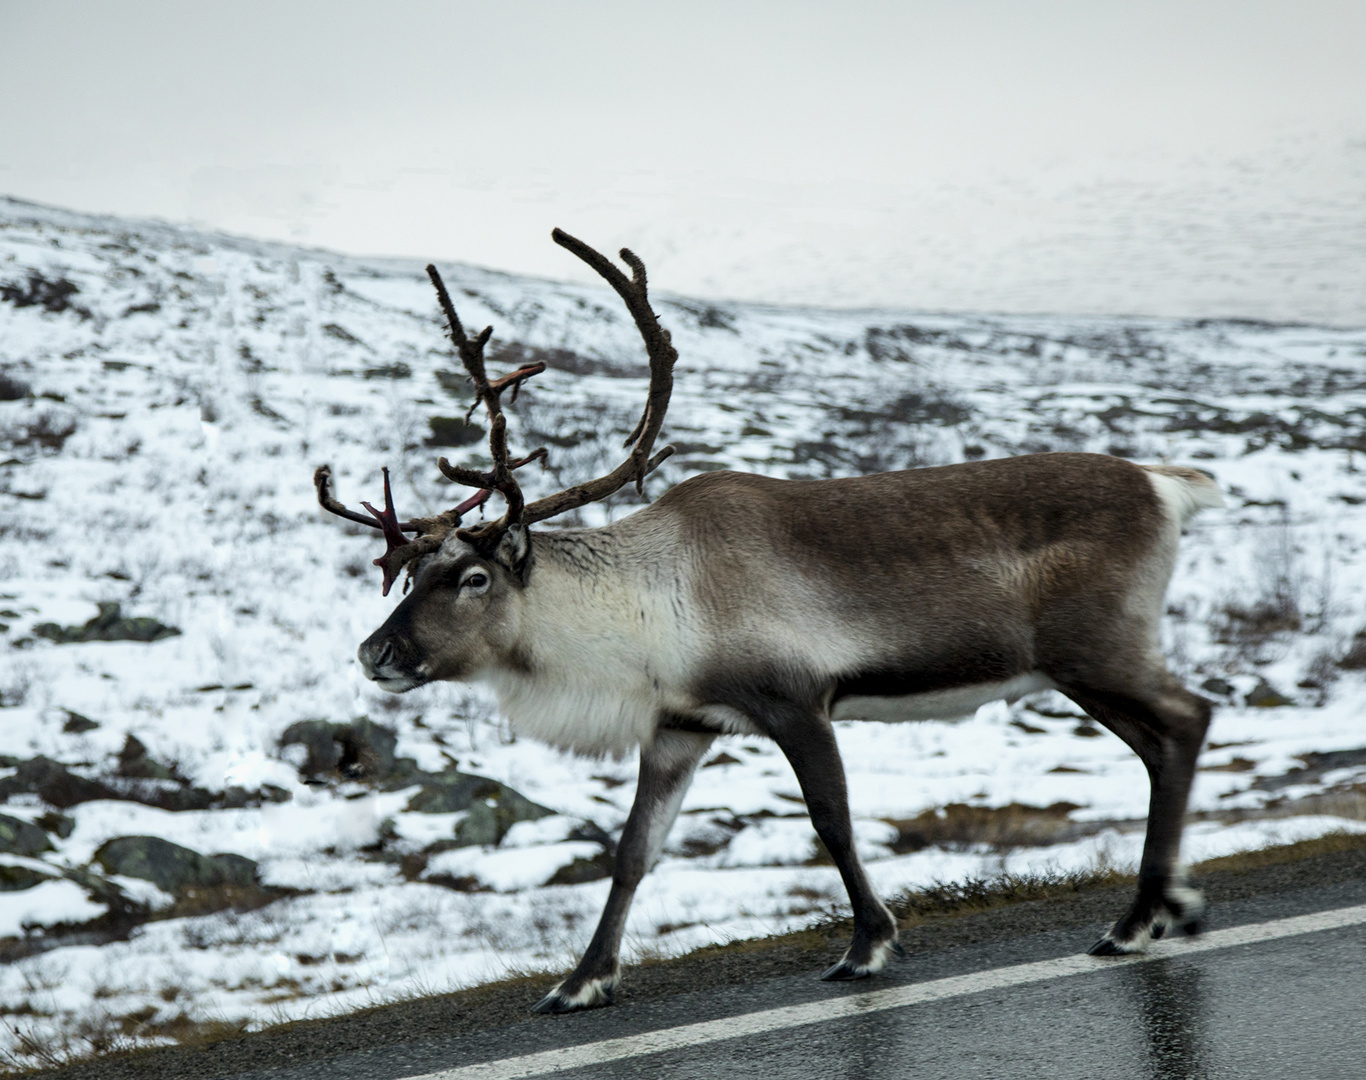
column 658, row 345
column 474, row 478
column 398, row 550
column 593, row 490
column 322, row 483
column 639, row 463
column 471, row 351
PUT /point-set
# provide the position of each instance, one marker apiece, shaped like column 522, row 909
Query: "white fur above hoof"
column 1108, row 946
column 848, row 969
column 1136, row 941
column 1187, row 907
column 593, row 994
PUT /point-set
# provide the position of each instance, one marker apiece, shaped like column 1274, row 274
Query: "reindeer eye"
column 476, row 582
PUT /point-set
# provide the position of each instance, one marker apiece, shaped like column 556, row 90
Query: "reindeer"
column 742, row 604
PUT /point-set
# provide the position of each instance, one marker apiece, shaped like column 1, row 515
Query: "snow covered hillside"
column 211, row 819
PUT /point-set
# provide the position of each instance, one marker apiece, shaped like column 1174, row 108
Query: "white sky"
column 1173, row 157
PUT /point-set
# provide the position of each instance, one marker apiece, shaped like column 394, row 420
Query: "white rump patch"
column 1185, row 494
column 956, row 703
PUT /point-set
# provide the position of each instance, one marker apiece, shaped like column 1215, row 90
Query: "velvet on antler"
column 638, row 464
column 399, row 551
column 431, row 532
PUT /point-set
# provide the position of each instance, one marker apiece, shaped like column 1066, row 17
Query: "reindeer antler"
column 471, row 352
column 400, row 551
column 638, row 464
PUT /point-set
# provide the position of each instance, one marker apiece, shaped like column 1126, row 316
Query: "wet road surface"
column 1290, row 1007
column 998, row 992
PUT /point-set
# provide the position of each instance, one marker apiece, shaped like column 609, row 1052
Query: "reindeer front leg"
column 666, row 770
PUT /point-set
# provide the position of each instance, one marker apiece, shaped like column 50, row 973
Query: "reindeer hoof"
column 1108, row 946
column 849, row 968
column 591, row 995
column 844, row 971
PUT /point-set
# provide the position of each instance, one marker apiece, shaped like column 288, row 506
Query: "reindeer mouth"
column 398, row 684
column 385, row 667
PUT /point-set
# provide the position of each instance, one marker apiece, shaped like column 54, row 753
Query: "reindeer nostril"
column 386, row 653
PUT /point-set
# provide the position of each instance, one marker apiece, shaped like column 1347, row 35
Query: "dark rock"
column 364, row 750
column 135, row 763
column 53, row 296
column 453, row 431
column 22, row 838
column 1266, row 696
column 452, row 791
column 594, row 834
column 54, row 783
column 481, row 826
column 492, row 808
column 237, row 797
column 399, row 370
column 174, row 795
column 1222, row 687
column 54, row 822
column 1314, row 768
column 12, row 389
column 321, row 749
column 104, row 891
column 47, row 431
column 1355, row 658
column 108, row 625
column 467, row 883
column 76, row 724
column 172, row 868
column 360, row 750
column 18, row 878
column 581, row 870
column 58, row 786
column 368, row 751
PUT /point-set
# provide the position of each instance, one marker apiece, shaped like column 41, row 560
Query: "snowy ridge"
column 166, row 395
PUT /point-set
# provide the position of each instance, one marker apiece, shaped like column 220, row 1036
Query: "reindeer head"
column 461, row 617
column 463, row 612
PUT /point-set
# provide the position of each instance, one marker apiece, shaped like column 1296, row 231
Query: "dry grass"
column 946, row 900
column 1244, row 861
column 958, row 826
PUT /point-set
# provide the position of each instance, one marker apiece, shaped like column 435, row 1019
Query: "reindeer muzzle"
column 390, row 660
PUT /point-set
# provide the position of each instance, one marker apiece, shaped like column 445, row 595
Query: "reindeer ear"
column 513, row 548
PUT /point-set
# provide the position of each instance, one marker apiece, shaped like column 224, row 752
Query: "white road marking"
column 896, row 997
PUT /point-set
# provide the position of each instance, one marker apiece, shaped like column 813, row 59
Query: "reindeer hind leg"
column 1165, row 728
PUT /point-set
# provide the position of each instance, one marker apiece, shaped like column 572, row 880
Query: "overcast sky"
column 1172, row 157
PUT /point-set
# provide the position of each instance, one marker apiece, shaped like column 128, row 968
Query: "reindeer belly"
column 886, row 699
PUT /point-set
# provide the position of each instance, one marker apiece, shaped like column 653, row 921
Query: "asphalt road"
column 1290, row 1008
column 1221, row 1006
